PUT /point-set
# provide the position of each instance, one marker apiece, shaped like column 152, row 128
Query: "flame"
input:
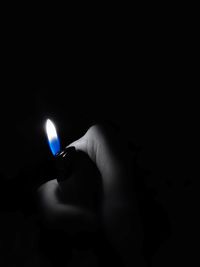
column 53, row 139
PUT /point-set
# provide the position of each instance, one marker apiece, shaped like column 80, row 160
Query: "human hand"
column 119, row 209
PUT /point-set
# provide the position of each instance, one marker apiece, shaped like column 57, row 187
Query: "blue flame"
column 52, row 136
column 54, row 145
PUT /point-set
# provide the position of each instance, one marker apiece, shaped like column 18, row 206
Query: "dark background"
column 142, row 79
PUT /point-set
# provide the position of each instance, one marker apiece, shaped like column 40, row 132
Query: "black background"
column 140, row 77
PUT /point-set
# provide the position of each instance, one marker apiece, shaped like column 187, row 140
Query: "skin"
column 119, row 212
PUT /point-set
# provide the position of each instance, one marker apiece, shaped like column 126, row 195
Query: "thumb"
column 80, row 144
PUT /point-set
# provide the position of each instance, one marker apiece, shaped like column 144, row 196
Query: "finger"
column 56, row 214
column 80, row 144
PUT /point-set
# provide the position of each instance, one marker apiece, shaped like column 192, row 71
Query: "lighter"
column 65, row 159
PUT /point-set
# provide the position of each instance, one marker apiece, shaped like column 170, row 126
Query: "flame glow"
column 53, row 139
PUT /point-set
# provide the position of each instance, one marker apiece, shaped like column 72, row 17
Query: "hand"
column 119, row 216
